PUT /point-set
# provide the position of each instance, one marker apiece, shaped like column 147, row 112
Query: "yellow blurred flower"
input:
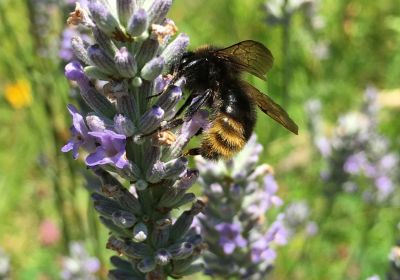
column 18, row 94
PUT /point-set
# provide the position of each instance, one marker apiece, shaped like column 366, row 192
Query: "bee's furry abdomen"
column 231, row 126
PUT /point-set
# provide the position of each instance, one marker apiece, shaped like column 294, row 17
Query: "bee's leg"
column 195, row 106
column 170, row 125
column 192, row 152
column 184, row 106
column 154, row 95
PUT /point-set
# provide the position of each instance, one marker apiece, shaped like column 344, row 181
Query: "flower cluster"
column 357, row 154
column 297, row 218
column 78, row 265
column 238, row 195
column 129, row 139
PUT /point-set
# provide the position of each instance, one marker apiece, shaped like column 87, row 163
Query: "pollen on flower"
column 18, row 94
column 163, row 32
column 164, row 138
column 77, row 16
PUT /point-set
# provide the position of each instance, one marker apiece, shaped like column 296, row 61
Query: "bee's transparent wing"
column 249, row 56
column 269, row 107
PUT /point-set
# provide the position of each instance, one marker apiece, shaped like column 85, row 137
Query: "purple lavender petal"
column 228, row 247
column 111, row 150
column 92, row 265
column 80, row 134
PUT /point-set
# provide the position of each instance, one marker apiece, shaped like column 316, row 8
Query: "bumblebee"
column 213, row 78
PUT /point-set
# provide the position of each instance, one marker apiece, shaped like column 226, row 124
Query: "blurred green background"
column 326, row 50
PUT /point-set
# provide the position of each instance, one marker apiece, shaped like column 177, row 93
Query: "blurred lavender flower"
column 66, row 52
column 297, row 216
column 5, row 266
column 78, row 265
column 373, row 277
column 239, row 193
column 126, row 124
column 230, row 237
column 358, row 157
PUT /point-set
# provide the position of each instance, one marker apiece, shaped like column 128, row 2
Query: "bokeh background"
column 337, row 72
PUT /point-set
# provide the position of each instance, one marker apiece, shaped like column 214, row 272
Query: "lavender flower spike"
column 240, row 246
column 131, row 57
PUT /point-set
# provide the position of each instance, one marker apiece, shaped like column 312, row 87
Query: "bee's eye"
column 184, row 61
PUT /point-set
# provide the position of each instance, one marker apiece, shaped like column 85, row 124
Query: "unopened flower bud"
column 137, row 82
column 141, row 185
column 158, row 10
column 123, row 219
column 169, row 99
column 178, row 190
column 162, row 257
column 181, row 250
column 95, row 123
column 104, row 41
column 138, row 250
column 146, row 265
column 173, row 52
column 100, row 59
column 138, row 23
column 125, row 9
column 185, row 220
column 104, row 205
column 103, row 18
column 175, row 168
column 153, row 68
column 118, row 231
column 151, row 120
column 140, row 232
column 94, row 72
column 79, row 49
column 123, row 125
column 125, row 63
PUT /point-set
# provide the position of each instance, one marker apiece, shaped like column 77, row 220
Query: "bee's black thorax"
column 203, row 71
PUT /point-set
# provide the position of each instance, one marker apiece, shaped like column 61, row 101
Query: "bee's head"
column 188, row 63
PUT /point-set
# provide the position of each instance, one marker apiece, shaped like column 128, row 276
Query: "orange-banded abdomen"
column 224, row 138
column 232, row 122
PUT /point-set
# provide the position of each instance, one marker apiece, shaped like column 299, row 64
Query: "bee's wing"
column 249, row 56
column 269, row 107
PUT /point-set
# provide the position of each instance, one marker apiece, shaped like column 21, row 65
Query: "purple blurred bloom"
column 230, row 237
column 111, row 150
column 261, row 251
column 277, row 232
column 323, row 146
column 79, row 265
column 66, row 53
column 385, row 186
column 388, row 162
column 266, row 199
column 270, row 188
column 80, row 134
column 92, row 265
column 355, row 163
column 311, row 228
